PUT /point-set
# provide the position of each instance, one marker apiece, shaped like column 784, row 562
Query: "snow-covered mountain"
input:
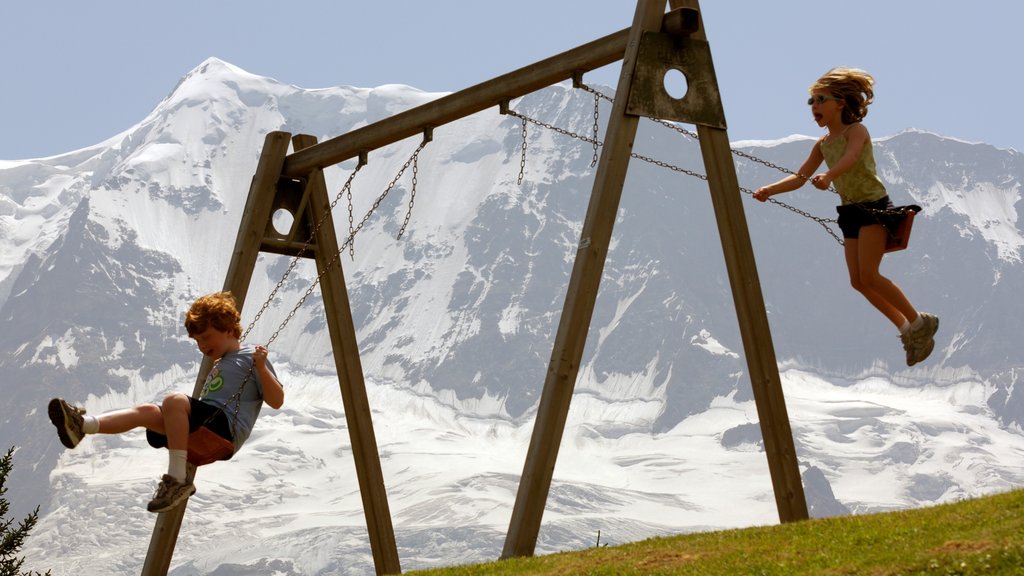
column 104, row 248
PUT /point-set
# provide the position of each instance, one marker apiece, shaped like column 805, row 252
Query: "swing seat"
column 206, row 446
column 899, row 232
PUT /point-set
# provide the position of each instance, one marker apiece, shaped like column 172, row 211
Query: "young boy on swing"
column 240, row 381
column 839, row 101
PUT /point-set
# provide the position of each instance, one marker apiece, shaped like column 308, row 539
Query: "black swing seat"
column 206, row 446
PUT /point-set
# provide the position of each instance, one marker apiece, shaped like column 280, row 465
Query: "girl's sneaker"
column 920, row 342
column 68, row 420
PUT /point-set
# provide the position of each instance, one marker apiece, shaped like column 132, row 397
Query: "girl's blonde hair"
column 853, row 85
column 218, row 310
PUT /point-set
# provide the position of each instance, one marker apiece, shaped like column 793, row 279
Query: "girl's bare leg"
column 863, row 257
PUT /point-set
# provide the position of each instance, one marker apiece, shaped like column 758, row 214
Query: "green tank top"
column 860, row 183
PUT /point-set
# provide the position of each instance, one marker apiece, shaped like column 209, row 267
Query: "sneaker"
column 921, row 340
column 170, row 493
column 908, row 347
column 919, row 354
column 68, row 420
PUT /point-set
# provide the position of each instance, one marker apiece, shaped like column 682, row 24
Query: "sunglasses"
column 821, row 98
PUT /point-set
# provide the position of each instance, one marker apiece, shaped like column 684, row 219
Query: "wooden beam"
column 754, row 329
column 595, row 54
column 750, row 311
column 243, row 262
column 350, row 374
column 578, row 310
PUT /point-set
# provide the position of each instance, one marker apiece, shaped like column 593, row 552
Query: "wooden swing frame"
column 656, row 41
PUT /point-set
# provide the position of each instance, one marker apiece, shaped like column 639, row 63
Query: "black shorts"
column 203, row 414
column 853, row 217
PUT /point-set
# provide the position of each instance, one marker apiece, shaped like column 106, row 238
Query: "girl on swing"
column 240, row 382
column 839, row 101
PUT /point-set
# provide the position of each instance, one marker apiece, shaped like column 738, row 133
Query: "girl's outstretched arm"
column 793, row 181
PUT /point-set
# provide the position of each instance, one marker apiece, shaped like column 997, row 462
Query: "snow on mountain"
column 104, row 248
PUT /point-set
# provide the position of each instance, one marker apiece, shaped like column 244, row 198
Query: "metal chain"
column 305, row 246
column 348, row 188
column 597, row 117
column 691, row 134
column 824, row 222
column 522, row 159
column 412, row 194
column 347, row 244
column 553, row 128
column 597, row 94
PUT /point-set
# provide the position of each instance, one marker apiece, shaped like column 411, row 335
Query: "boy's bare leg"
column 176, row 410
column 118, row 421
column 174, row 487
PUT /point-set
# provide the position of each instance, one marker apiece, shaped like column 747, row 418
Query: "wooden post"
column 578, row 310
column 350, row 375
column 754, row 329
column 750, row 311
column 243, row 261
column 314, row 207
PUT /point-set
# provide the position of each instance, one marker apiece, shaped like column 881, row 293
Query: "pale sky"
column 77, row 73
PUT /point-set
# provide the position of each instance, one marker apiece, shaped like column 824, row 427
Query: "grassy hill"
column 982, row 536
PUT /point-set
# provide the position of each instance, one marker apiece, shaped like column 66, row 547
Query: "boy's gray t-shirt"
column 233, row 370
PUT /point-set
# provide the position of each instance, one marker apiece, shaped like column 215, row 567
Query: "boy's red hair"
column 218, row 310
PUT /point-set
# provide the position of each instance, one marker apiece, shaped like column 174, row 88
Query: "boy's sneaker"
column 170, row 493
column 68, row 420
column 920, row 342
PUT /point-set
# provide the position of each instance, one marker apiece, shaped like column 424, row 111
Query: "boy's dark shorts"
column 853, row 217
column 201, row 412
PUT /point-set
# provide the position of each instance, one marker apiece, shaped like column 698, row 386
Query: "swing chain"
column 597, row 94
column 305, row 246
column 782, row 169
column 348, row 189
column 553, row 128
column 691, row 134
column 412, row 161
column 522, row 158
column 412, row 195
column 597, row 117
column 346, row 244
column 824, row 222
column 594, row 141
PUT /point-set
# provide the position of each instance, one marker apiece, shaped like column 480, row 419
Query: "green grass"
column 982, row 536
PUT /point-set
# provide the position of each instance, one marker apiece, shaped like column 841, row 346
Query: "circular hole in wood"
column 282, row 221
column 675, row 83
